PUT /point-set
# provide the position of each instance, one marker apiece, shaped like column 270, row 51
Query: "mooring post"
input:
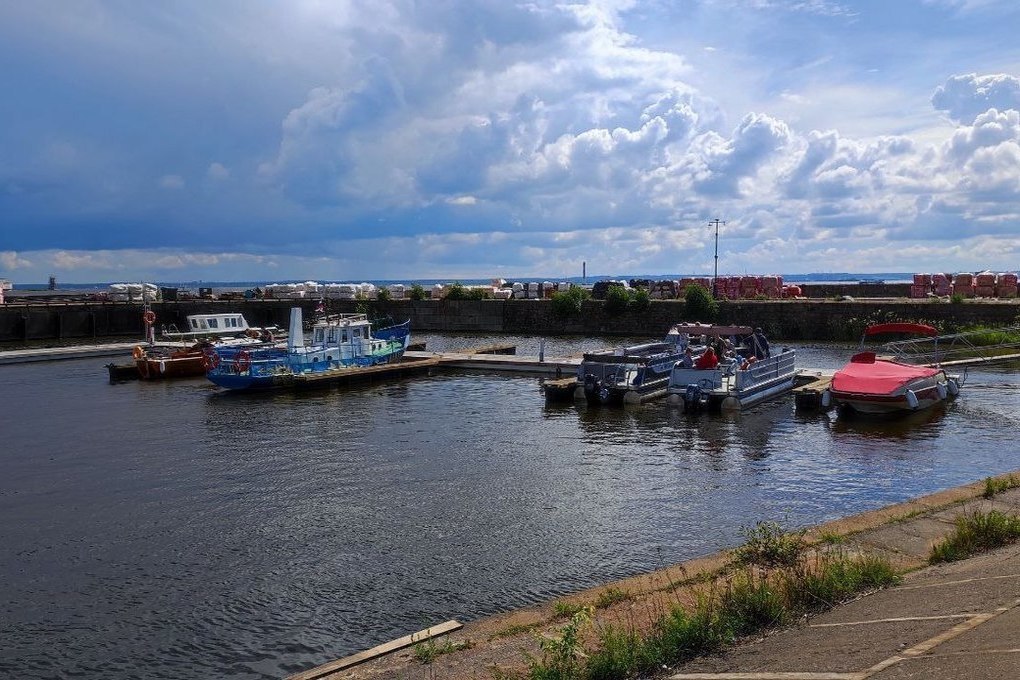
column 541, row 351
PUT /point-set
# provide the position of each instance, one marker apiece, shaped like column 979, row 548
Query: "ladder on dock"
column 969, row 348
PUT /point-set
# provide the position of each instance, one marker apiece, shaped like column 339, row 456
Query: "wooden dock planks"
column 379, row 650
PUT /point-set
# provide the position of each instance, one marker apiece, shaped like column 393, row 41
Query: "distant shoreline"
column 222, row 286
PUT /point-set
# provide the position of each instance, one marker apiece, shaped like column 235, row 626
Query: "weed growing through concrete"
column 976, row 532
column 609, row 597
column 767, row 544
column 994, row 487
column 563, row 655
column 428, row 651
column 564, row 610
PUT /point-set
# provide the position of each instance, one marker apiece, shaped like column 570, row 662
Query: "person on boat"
column 708, row 360
column 760, row 344
column 687, row 360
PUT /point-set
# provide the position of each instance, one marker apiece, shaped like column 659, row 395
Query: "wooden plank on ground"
column 379, row 650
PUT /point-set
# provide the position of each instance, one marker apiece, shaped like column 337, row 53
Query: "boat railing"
column 777, row 366
column 977, row 346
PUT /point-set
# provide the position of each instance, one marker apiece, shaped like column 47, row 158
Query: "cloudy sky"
column 404, row 139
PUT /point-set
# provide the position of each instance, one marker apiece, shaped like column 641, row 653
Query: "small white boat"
column 876, row 385
column 219, row 325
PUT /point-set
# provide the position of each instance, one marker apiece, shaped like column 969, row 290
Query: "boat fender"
column 162, row 367
column 149, row 317
column 912, row 399
column 138, row 352
column 826, row 398
column 942, row 390
column 954, row 386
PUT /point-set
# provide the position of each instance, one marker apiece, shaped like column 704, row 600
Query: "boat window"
column 194, row 323
column 201, row 324
column 213, row 323
column 318, row 335
column 343, row 337
column 332, row 334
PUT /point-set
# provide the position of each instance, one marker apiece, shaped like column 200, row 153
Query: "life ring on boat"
column 138, row 352
column 747, row 363
column 149, row 317
column 210, row 359
column 242, row 361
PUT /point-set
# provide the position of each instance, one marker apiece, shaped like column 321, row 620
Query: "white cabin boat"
column 219, row 325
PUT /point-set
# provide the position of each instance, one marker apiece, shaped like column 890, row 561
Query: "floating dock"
column 807, row 395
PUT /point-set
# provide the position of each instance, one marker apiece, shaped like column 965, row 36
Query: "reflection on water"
column 172, row 529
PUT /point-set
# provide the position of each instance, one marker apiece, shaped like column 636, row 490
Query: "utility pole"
column 715, row 223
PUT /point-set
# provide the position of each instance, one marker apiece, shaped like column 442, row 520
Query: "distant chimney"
column 53, row 283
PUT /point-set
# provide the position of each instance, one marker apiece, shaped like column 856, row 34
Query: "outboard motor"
column 692, row 398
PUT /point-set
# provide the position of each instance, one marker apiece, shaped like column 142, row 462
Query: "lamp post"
column 715, row 223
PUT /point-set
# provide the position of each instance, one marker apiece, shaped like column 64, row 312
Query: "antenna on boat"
column 715, row 223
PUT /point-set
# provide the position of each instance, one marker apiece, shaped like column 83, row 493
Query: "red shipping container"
column 922, row 279
column 984, row 279
column 1008, row 279
column 984, row 291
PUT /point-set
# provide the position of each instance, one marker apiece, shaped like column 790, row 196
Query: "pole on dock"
column 541, row 351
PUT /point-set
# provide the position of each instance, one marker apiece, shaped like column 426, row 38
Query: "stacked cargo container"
column 963, row 285
column 942, row 284
column 772, row 286
column 984, row 284
column 1007, row 285
column 922, row 286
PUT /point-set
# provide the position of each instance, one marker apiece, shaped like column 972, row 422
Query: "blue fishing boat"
column 338, row 343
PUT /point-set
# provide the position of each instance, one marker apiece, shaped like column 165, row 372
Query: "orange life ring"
column 149, row 317
column 210, row 359
column 138, row 352
column 242, row 361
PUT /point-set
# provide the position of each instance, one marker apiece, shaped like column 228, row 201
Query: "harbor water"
column 176, row 530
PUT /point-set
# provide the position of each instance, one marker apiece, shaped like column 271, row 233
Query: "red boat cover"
column 866, row 375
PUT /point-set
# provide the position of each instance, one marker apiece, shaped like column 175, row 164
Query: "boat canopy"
column 709, row 329
column 866, row 375
column 915, row 328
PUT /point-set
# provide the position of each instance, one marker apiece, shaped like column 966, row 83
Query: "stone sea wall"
column 791, row 320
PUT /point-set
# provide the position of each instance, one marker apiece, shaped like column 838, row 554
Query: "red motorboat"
column 882, row 385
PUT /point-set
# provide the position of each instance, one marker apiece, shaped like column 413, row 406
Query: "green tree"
column 456, row 292
column 569, row 302
column 418, row 293
column 384, row 295
column 617, row 300
column 640, row 299
column 699, row 304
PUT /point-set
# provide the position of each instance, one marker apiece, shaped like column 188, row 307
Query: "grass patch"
column 831, row 538
column 564, row 610
column 428, row 651
column 767, row 544
column 974, row 533
column 994, row 486
column 610, row 596
column 774, row 584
